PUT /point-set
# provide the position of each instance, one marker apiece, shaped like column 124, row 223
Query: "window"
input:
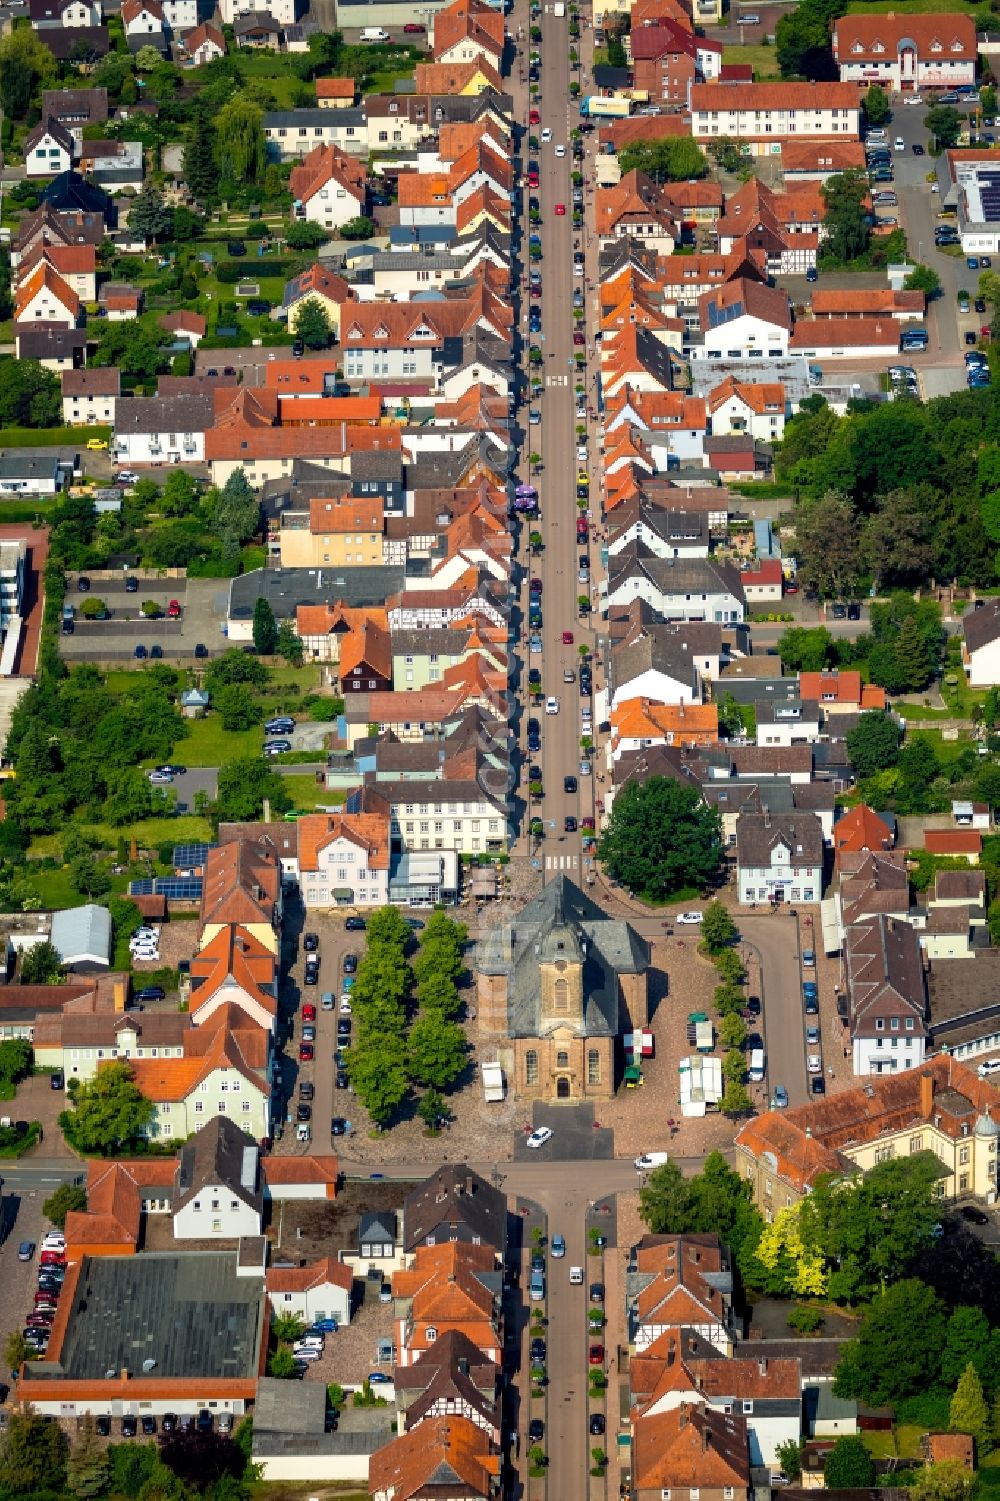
column 963, row 1155
column 432, row 1334
column 560, row 995
column 562, row 1060
column 916, row 1143
column 593, row 1066
column 531, row 1067
column 747, row 1407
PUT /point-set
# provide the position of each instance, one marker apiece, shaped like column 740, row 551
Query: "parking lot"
column 203, row 604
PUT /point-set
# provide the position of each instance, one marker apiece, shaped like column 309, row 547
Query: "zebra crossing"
column 562, row 862
column 557, row 380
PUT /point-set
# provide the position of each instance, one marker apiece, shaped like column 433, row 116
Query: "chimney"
column 463, row 1365
column 762, row 1365
column 706, row 1439
column 682, row 1417
column 926, row 1094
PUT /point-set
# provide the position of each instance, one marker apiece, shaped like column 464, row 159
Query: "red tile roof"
column 953, row 842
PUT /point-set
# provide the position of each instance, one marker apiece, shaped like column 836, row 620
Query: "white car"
column 913, row 99
column 308, row 1342
column 899, row 144
column 539, row 1137
column 688, row 919
column 551, row 705
column 560, row 151
column 813, row 1064
column 546, row 135
column 581, row 454
column 991, row 1066
column 345, row 1005
column 309, row 1354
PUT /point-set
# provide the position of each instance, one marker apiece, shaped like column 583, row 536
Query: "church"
column 562, row 981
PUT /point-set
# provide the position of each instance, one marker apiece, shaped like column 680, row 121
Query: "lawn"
column 148, row 833
column 50, row 437
column 762, row 59
column 921, row 712
column 307, row 793
column 208, row 744
column 912, row 7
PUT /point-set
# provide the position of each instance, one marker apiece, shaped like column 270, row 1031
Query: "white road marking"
column 561, row 862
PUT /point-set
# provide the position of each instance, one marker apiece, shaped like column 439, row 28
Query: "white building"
column 89, row 396
column 906, row 53
column 321, row 1290
column 760, row 115
column 677, row 588
column 162, row 431
column 886, row 995
column 745, row 320
column 48, row 150
column 981, row 644
column 779, row 858
column 283, row 11
column 344, row 858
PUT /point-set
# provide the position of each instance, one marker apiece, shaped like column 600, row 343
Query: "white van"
column 650, row 1160
column 755, row 1073
column 374, row 34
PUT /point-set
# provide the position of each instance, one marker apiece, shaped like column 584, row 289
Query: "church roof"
column 562, row 922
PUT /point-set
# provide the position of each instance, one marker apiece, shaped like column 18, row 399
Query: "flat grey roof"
column 287, row 588
column 190, row 1313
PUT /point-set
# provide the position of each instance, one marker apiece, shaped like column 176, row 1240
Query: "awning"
column 830, row 919
column 343, row 893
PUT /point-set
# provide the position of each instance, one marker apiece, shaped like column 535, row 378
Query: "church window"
column 531, row 1067
column 560, row 995
column 562, row 1060
column 593, row 1066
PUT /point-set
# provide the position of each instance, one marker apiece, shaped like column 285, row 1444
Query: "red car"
column 579, row 339
column 52, row 1258
column 534, row 118
column 533, row 182
column 174, row 609
column 560, row 209
column 567, row 638
column 535, row 586
column 306, row 1054
column 581, row 529
column 596, row 1355
column 308, row 1012
column 414, row 26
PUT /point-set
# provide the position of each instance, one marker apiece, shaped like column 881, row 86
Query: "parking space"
column 23, row 1220
column 198, row 630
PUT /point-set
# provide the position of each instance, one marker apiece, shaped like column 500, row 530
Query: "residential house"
column 762, row 115
column 44, row 298
column 325, row 287
column 845, row 338
column 54, row 347
column 841, row 692
column 143, row 18
column 318, row 1290
column 65, row 14
column 162, row 431
column 120, row 302
column 786, row 228
column 787, row 721
column 762, row 581
column 335, row 532
column 344, row 859
column 242, row 887
column 282, row 11
column 467, row 30
column 328, row 188
column 981, row 644
column 906, row 54
column 691, row 1447
column 180, row 16
column 33, row 474
column 747, row 407
column 940, row 1107
column 234, row 971
column 860, row 830
column 204, row 44
column 75, row 108
column 48, row 149
column 680, row 1282
column 191, row 327
column 76, row 264
column 636, row 724
column 455, row 814
column 449, row 1455
column 658, row 663
column 366, row 658
column 779, row 859
column 455, row 1205
column 451, row 1376
column 745, row 320
column 676, row 588
column 90, row 396
column 223, row 1071
column 886, row 995
column 871, row 883
column 471, row 78
column 667, row 58
column 637, row 206
column 218, row 1190
column 667, row 533
column 448, row 1287
column 336, row 93
column 290, row 134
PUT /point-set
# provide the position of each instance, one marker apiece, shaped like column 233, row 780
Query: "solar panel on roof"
column 179, row 888
column 191, row 854
column 140, row 888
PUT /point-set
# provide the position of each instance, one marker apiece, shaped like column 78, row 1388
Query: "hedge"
column 233, row 271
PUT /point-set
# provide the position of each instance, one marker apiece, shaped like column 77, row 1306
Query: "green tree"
column 805, row 649
column 672, row 159
column 437, row 1050
column 312, row 324
column 29, row 395
column 236, row 508
column 967, row 1338
column 281, row 1364
column 789, row 1457
column 718, row 930
column 305, row 236
column 288, row 644
column 15, row 1350
column 240, row 148
column 735, row 1098
column 15, row 1060
column 286, row 1328
column 108, row 1111
column 848, row 233
column 358, row 228
column 131, row 347
column 26, row 65
column 849, row 1465
column 431, row 1108
column 32, row 1454
column 149, row 215
column 827, row 539
column 238, row 706
column 896, row 542
column 244, row 786
column 950, row 1481
column 905, row 665
column 876, row 105
column 945, row 124
column 732, row 1031
column 885, row 1363
column 923, row 279
column 200, row 172
column 41, row 965
column 67, row 1199
column 235, row 666
column 377, row 1068
column 265, row 627
column 873, row 743
column 968, row 1412
column 661, row 839
column 802, row 40
column 88, row 1468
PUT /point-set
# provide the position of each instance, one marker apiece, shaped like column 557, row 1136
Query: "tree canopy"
column 661, row 838
column 673, row 159
column 108, row 1113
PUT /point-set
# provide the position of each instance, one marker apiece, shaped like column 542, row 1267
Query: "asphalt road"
column 555, row 440
column 775, row 937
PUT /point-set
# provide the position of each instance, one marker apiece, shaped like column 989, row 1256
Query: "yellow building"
column 337, row 533
column 941, row 1107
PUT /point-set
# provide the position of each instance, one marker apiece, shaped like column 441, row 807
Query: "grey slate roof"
column 220, row 1154
column 446, row 642
column 674, row 575
column 51, row 343
column 758, row 834
column 562, row 915
column 287, row 588
column 982, row 626
column 673, row 527
column 285, row 119
column 658, row 649
column 175, row 414
column 452, row 1197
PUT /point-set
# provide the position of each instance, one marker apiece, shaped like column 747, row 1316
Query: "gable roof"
column 759, row 834
column 884, row 971
column 368, row 831
column 326, row 1272
column 472, row 20
column 981, row 624
column 220, row 1154
column 455, row 1195
column 233, row 958
column 447, row 1456
column 866, row 38
column 690, row 1447
column 743, row 298
column 861, row 829
column 242, row 883
column 46, row 278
